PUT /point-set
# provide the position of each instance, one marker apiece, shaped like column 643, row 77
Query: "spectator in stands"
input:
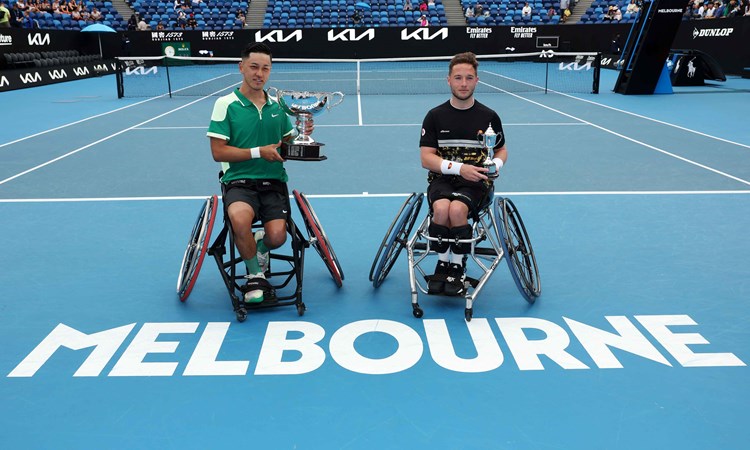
column 160, row 26
column 747, row 8
column 526, row 11
column 407, row 5
column 96, row 16
column 423, row 22
column 246, row 130
column 469, row 11
column 733, row 9
column 240, row 16
column 143, row 26
column 430, row 3
column 551, row 12
column 181, row 19
column 632, row 7
column 196, row 3
column 177, row 5
column 710, row 11
column 192, row 23
column 21, row 6
column 29, row 22
column 4, row 16
column 133, row 22
column 356, row 17
column 423, row 6
column 610, row 14
column 76, row 14
column 478, row 10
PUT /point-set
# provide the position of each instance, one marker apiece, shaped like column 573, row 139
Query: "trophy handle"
column 275, row 92
column 332, row 96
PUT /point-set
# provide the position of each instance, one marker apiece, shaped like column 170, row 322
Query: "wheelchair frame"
column 510, row 240
column 197, row 248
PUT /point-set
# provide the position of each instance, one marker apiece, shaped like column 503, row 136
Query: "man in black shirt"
column 458, row 179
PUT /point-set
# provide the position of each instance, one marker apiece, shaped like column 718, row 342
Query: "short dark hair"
column 255, row 47
column 464, row 58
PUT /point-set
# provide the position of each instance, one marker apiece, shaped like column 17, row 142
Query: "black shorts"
column 268, row 198
column 474, row 194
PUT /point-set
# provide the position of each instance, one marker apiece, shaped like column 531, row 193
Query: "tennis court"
column 638, row 209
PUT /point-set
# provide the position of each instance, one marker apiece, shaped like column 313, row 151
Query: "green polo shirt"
column 238, row 121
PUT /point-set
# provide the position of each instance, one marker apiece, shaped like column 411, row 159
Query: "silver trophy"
column 488, row 139
column 303, row 105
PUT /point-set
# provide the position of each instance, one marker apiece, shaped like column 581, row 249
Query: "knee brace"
column 442, row 233
column 462, row 232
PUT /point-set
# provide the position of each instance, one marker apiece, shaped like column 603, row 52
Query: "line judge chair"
column 285, row 283
column 497, row 232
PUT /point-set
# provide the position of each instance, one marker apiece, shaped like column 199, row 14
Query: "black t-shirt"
column 453, row 132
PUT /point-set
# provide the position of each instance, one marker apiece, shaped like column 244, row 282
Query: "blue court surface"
column 638, row 209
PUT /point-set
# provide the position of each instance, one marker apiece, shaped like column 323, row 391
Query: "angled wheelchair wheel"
column 517, row 247
column 320, row 240
column 196, row 248
column 395, row 239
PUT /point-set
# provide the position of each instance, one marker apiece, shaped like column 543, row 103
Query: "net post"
column 169, row 83
column 358, row 72
column 118, row 78
column 597, row 72
column 546, row 76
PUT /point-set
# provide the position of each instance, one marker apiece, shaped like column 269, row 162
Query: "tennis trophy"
column 488, row 139
column 304, row 105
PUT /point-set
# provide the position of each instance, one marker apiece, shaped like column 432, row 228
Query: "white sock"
column 457, row 258
column 444, row 257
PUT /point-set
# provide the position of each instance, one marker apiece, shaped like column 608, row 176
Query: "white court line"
column 105, row 138
column 368, row 195
column 681, row 158
column 79, row 121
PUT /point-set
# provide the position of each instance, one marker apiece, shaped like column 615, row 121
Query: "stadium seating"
column 340, row 13
column 594, row 12
column 508, row 12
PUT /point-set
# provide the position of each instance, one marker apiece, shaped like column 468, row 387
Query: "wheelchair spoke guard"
column 517, row 247
column 395, row 238
column 196, row 248
column 319, row 239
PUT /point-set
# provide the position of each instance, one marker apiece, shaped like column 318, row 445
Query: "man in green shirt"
column 246, row 131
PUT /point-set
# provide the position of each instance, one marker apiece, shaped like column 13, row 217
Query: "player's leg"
column 439, row 229
column 241, row 209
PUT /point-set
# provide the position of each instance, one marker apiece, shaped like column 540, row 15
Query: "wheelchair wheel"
column 395, row 238
column 196, row 248
column 320, row 242
column 518, row 251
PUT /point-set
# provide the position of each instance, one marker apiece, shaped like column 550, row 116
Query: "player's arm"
column 434, row 163
column 223, row 152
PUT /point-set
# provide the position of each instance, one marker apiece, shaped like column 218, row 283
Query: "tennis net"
column 203, row 76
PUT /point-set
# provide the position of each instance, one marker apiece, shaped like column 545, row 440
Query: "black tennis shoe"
column 436, row 284
column 455, row 282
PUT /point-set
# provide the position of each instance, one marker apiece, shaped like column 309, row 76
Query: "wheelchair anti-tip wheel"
column 319, row 239
column 518, row 251
column 196, row 248
column 395, row 238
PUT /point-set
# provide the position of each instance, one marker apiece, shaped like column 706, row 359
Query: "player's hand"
column 269, row 152
column 473, row 173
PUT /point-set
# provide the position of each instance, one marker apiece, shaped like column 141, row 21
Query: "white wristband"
column 450, row 167
column 255, row 153
column 498, row 162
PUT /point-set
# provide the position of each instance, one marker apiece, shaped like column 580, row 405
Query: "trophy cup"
column 488, row 139
column 304, row 105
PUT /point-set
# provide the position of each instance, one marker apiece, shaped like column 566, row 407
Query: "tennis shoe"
column 263, row 257
column 436, row 285
column 254, row 287
column 455, row 283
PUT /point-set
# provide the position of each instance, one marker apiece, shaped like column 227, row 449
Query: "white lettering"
column 4, row 81
column 423, row 34
column 38, row 39
column 278, row 36
column 203, row 361
column 105, row 342
column 131, row 362
column 276, row 342
column 80, row 71
column 57, row 74
column 141, row 70
column 597, row 342
column 350, row 35
column 30, row 77
column 526, row 350
column 408, row 353
column 489, row 356
column 676, row 344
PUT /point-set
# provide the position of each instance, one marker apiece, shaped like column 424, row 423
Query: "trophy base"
column 302, row 152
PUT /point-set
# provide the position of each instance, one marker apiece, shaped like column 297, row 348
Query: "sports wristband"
column 255, row 153
column 498, row 162
column 450, row 167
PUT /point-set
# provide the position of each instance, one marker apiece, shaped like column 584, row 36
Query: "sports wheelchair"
column 288, row 277
column 497, row 232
